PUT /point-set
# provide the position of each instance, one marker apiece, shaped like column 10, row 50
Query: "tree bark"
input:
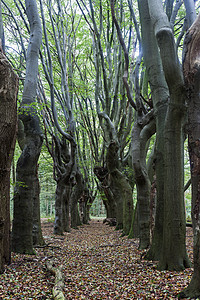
column 63, row 164
column 173, row 254
column 106, row 192
column 37, row 231
column 22, row 233
column 191, row 68
column 140, row 137
column 76, row 195
column 8, row 126
column 121, row 190
column 62, row 196
column 84, row 206
column 160, row 96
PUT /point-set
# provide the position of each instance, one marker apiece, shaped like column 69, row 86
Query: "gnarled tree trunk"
column 106, row 193
column 121, row 190
column 22, row 233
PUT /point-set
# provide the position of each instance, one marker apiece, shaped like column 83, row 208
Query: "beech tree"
column 191, row 68
column 8, row 126
column 143, row 129
column 63, row 148
column 26, row 202
column 111, row 113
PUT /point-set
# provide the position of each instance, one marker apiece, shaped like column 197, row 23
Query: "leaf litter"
column 97, row 263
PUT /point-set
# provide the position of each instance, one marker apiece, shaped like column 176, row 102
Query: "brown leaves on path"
column 96, row 263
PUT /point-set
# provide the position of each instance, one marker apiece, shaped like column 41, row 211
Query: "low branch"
column 187, row 185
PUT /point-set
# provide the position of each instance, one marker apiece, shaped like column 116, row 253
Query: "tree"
column 143, row 129
column 173, row 219
column 160, row 95
column 26, row 190
column 191, row 68
column 8, row 126
column 111, row 112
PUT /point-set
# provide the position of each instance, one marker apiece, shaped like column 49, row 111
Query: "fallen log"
column 59, row 280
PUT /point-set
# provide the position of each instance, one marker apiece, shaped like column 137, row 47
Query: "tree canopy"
column 111, row 90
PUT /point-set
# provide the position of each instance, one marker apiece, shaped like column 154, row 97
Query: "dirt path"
column 96, row 263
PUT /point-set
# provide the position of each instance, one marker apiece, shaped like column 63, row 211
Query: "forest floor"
column 96, row 264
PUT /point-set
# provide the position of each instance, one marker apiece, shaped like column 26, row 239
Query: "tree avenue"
column 109, row 92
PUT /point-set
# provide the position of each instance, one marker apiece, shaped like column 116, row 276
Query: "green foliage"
column 74, row 36
column 47, row 184
column 98, row 209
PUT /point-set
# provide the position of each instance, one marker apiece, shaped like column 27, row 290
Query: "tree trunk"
column 63, row 164
column 160, row 96
column 140, row 137
column 85, row 205
column 37, row 231
column 174, row 256
column 173, row 253
column 22, row 234
column 106, row 192
column 134, row 231
column 8, row 125
column 191, row 67
column 109, row 201
column 76, row 195
column 59, row 200
column 66, row 218
column 121, row 190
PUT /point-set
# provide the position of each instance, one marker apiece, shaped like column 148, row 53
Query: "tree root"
column 192, row 291
column 47, row 245
column 59, row 280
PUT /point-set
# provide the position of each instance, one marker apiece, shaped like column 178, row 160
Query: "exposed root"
column 59, row 280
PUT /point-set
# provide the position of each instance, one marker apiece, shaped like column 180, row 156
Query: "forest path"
column 96, row 263
column 99, row 264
